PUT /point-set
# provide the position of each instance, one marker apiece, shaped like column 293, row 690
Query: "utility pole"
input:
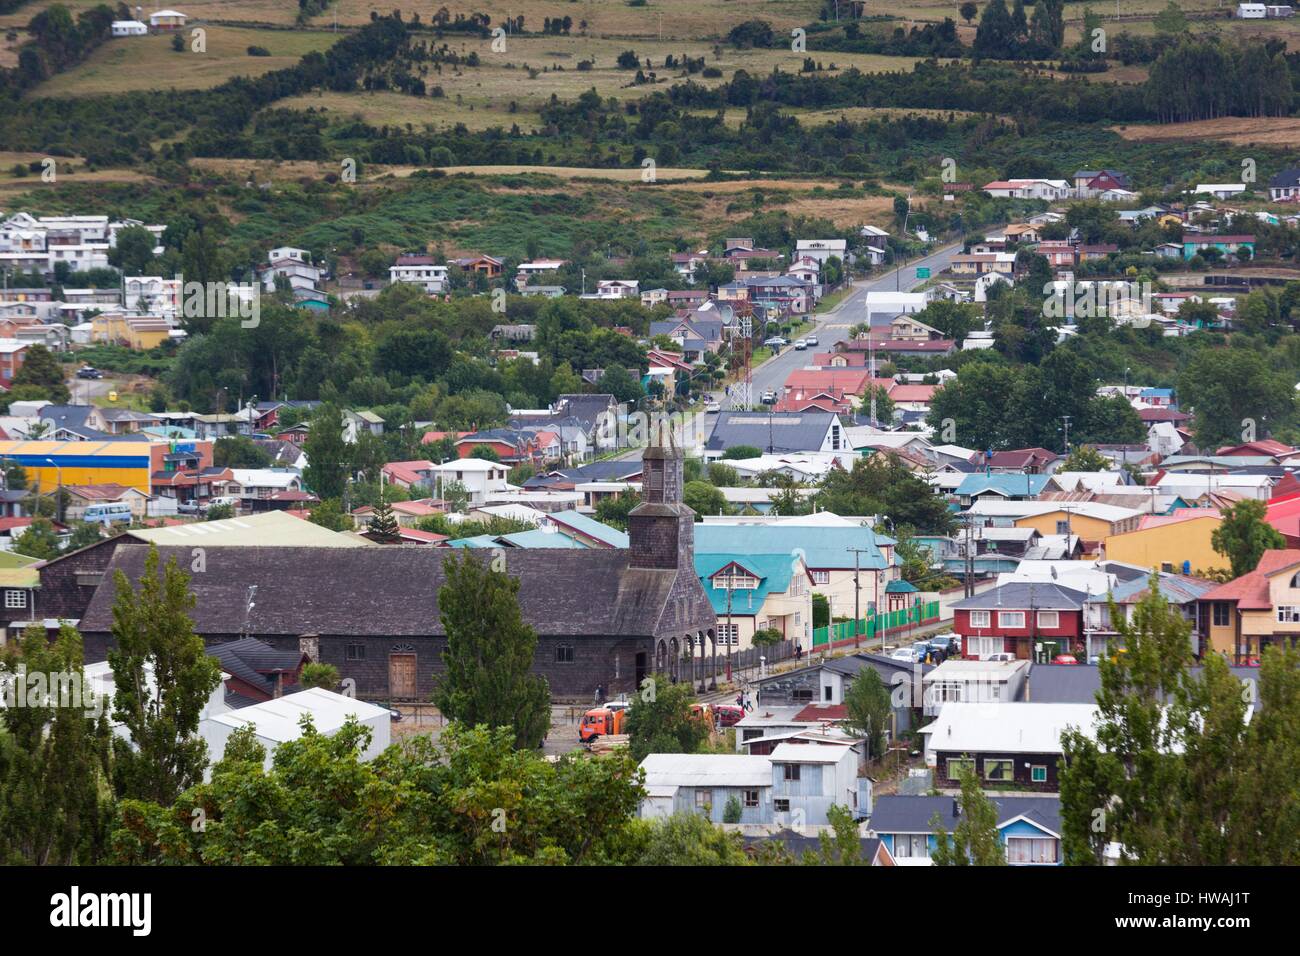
column 731, row 634
column 1066, row 419
column 857, row 594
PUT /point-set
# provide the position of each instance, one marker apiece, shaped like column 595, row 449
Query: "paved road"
column 833, row 326
column 830, row 327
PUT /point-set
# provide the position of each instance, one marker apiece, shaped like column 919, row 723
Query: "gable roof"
column 895, row 813
column 773, row 431
column 826, row 549
column 393, row 591
column 1250, row 591
column 1022, row 595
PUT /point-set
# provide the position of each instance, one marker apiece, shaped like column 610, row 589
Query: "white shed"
column 276, row 721
column 1251, row 11
column 129, row 28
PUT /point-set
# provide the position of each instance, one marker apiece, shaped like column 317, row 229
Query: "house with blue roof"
column 750, row 593
column 1029, row 827
column 1007, row 487
column 1158, row 397
column 851, row 565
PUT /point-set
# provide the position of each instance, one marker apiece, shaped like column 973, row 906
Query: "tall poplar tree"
column 489, row 655
column 162, row 680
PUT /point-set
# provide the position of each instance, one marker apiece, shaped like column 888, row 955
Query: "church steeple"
column 661, row 529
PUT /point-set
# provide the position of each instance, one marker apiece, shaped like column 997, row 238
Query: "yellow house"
column 1169, row 219
column 1088, row 520
column 1167, row 542
column 1256, row 610
column 135, row 332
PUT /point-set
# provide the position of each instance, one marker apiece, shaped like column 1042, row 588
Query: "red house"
column 1032, row 620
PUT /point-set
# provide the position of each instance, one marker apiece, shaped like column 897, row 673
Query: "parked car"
column 728, row 714
column 712, row 407
column 776, row 342
column 811, row 340
column 1065, row 659
column 188, row 508
column 769, row 397
column 800, row 344
column 88, row 371
column 940, row 649
column 1001, row 656
column 904, row 654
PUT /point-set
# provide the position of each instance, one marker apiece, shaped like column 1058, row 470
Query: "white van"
column 116, row 512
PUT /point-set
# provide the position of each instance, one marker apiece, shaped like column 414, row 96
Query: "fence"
column 874, row 625
column 744, row 664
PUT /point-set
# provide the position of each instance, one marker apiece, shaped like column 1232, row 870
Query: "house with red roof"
column 1260, row 609
column 408, row 474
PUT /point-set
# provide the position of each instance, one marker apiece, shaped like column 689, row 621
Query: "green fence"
column 874, row 624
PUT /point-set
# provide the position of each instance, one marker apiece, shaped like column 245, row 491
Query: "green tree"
column 330, row 514
column 1085, row 458
column 704, row 498
column 383, row 523
column 328, row 455
column 1232, row 392
column 53, row 757
column 614, row 511
column 84, row 533
column 319, row 674
column 741, row 453
column 1243, row 536
column 968, row 11
column 41, row 369
column 660, row 721
column 219, row 512
column 40, row 540
column 687, row 839
column 1173, row 772
column 162, row 679
column 1171, row 20
column 489, row 655
column 132, row 250
column 975, row 840
column 485, row 453
column 869, row 709
column 239, row 451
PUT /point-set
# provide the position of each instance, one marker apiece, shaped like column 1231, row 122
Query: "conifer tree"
column 383, row 523
column 975, row 840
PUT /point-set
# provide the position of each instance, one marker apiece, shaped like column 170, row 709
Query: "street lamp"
column 58, row 498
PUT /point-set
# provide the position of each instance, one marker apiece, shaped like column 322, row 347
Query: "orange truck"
column 602, row 722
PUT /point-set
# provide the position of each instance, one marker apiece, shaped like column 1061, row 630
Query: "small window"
column 791, row 771
column 1220, row 613
column 828, row 693
column 355, row 652
column 1049, row 619
column 979, row 618
column 957, row 767
column 15, row 599
column 751, row 798
column 999, row 771
column 1011, row 619
column 564, row 653
column 781, row 806
column 1038, row 774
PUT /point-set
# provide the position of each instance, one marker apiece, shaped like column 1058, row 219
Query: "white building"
column 1251, row 11
column 275, row 722
column 481, row 479
column 821, row 250
column 419, row 270
column 129, row 28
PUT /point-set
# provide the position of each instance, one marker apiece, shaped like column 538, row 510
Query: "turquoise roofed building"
column 1008, row 487
column 850, row 564
column 751, row 593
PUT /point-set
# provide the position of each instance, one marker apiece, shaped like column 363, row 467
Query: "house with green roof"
column 750, row 593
